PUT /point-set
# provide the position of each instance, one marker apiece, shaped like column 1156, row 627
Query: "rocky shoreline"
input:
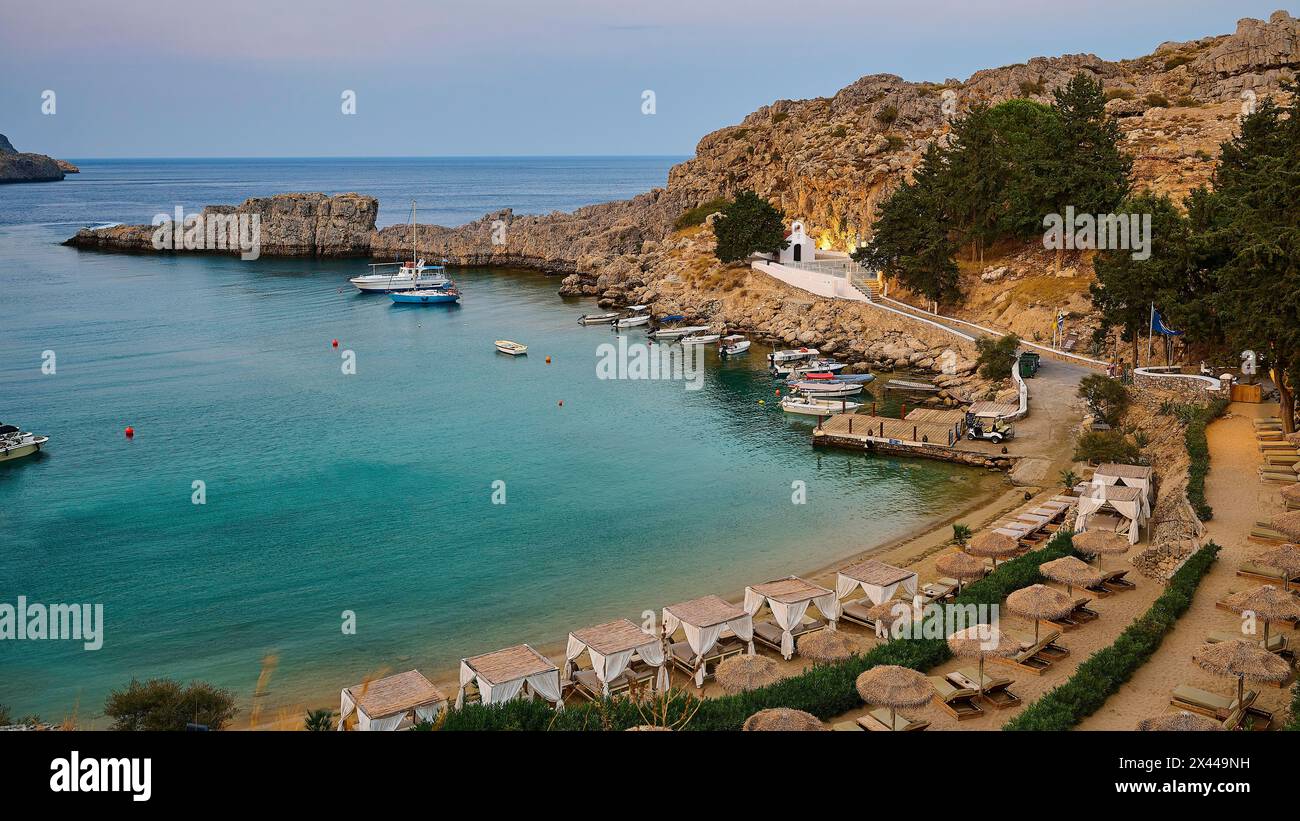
column 19, row 167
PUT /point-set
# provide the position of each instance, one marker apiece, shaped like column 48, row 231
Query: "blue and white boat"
column 426, row 296
column 413, row 275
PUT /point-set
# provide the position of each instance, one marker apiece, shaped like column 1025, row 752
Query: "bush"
column 893, row 142
column 997, row 356
column 1294, row 723
column 1176, row 61
column 161, row 704
column 840, row 132
column 1119, row 94
column 1198, row 452
column 1097, row 446
column 779, row 117
column 887, row 115
column 1030, row 88
column 1107, row 398
column 1105, row 671
column 1157, row 100
column 317, row 721
column 748, row 225
column 826, row 690
column 697, row 215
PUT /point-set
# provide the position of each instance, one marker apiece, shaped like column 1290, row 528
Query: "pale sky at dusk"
column 250, row 78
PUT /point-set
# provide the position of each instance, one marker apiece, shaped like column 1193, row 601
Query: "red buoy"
column 130, row 432
column 561, row 403
column 336, row 343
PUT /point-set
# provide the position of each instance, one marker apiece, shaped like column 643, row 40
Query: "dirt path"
column 1239, row 498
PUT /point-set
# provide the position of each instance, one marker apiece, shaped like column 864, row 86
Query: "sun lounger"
column 855, row 612
column 683, row 657
column 958, row 702
column 1035, row 657
column 588, row 686
column 996, row 692
column 1267, row 421
column 878, row 720
column 769, row 633
column 1068, row 500
column 1270, row 446
column 847, row 726
column 1116, row 581
column 1080, row 615
column 944, row 588
column 1267, row 575
column 1276, row 643
column 1213, row 705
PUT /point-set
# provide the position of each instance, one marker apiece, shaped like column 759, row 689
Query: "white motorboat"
column 675, row 333
column 801, row 367
column 827, row 388
column 792, row 355
column 816, row 406
column 639, row 316
column 701, row 339
column 512, row 348
column 16, row 443
column 597, row 319
column 412, row 275
column 732, row 345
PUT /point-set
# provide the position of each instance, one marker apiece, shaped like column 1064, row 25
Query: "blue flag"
column 1158, row 325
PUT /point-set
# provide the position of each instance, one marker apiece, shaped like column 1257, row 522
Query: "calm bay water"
column 370, row 492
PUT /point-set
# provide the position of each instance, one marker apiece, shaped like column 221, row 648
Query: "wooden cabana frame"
column 505, row 674
column 388, row 703
column 788, row 600
column 613, row 649
column 703, row 621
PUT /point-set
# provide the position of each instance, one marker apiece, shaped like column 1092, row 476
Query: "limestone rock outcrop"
column 16, row 166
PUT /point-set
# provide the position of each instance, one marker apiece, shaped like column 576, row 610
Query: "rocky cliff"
column 16, row 166
column 290, row 225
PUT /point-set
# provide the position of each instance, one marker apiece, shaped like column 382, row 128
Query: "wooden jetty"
column 936, row 435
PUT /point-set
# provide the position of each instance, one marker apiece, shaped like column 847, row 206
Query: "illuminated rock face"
column 16, row 166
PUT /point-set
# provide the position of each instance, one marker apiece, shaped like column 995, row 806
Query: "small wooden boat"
column 675, row 332
column 827, row 387
column 701, row 339
column 815, row 406
column 733, row 345
column 512, row 348
column 597, row 319
column 426, row 296
column 16, row 443
column 632, row 321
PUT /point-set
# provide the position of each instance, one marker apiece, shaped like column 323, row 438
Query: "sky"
column 250, row 78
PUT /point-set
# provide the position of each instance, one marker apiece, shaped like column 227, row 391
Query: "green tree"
column 911, row 237
column 161, row 704
column 1098, row 446
column 1105, row 397
column 1069, row 479
column 1026, row 144
column 747, row 226
column 961, row 535
column 318, row 720
column 975, row 179
column 997, row 356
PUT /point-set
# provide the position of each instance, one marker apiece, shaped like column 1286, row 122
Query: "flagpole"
column 1151, row 333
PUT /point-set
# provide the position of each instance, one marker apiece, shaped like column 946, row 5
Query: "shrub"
column 1198, row 452
column 1187, row 101
column 893, row 142
column 887, row 115
column 1294, row 723
column 1069, row 478
column 996, row 356
column 840, row 132
column 1097, row 446
column 747, row 225
column 161, row 704
column 5, row 717
column 779, row 117
column 961, row 534
column 1157, row 100
column 1119, row 94
column 1105, row 671
column 317, row 721
column 1029, row 88
column 1176, row 61
column 826, row 690
column 1107, row 398
column 697, row 215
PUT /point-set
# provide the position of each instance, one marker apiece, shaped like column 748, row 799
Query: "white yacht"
column 412, row 275
column 16, row 443
column 733, row 345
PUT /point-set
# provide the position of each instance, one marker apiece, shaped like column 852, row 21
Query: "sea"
column 292, row 516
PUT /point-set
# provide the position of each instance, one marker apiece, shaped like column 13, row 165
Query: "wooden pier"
column 933, row 435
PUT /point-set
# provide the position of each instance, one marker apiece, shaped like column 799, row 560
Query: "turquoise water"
column 372, row 492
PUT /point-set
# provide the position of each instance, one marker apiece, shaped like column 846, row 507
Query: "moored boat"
column 733, row 345
column 801, row 367
column 639, row 316
column 827, row 387
column 700, row 339
column 676, row 332
column 412, row 275
column 512, row 348
column 597, row 319
column 428, row 296
column 792, row 355
column 16, row 443
column 815, row 406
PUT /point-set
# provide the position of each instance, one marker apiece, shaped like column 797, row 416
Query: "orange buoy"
column 335, row 343
column 130, row 432
column 548, row 360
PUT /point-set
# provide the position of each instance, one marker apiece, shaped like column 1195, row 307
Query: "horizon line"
column 395, row 157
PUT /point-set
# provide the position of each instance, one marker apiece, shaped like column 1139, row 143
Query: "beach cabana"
column 788, row 599
column 1111, row 474
column 612, row 649
column 386, row 703
column 878, row 580
column 505, row 674
column 703, row 620
column 1129, row 503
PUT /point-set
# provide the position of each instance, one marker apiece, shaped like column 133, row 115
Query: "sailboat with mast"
column 413, row 274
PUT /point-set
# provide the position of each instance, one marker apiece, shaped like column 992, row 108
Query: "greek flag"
column 1158, row 326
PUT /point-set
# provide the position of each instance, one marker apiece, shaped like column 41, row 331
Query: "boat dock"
column 932, row 434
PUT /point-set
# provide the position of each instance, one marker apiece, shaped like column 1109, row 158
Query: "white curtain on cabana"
column 347, row 706
column 1102, row 480
column 1131, row 510
column 845, row 585
column 545, row 684
column 789, row 615
column 702, row 639
column 608, row 668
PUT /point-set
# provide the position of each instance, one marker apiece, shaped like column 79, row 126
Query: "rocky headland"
column 17, row 166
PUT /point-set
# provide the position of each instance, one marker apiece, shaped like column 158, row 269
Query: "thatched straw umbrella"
column 993, row 545
column 1100, row 543
column 894, row 687
column 961, row 566
column 1267, row 603
column 825, row 646
column 1293, row 438
column 782, row 719
column 1287, row 523
column 1072, row 573
column 1243, row 659
column 982, row 641
column 1038, row 601
column 1285, row 558
column 888, row 612
column 1292, row 493
column 1182, row 721
column 740, row 673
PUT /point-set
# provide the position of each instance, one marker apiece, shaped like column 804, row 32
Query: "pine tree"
column 975, row 180
column 748, row 225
